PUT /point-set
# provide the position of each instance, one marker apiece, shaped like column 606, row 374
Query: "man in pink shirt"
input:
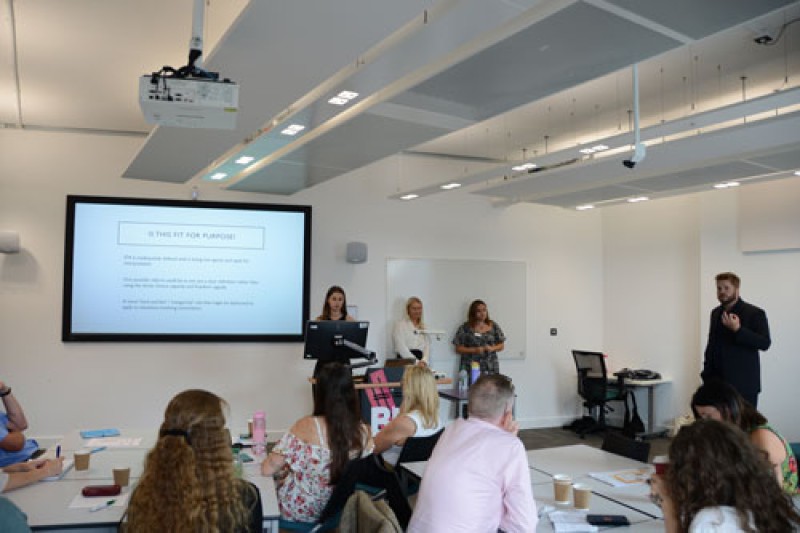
column 477, row 478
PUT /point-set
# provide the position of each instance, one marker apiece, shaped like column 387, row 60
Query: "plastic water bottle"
column 475, row 372
column 238, row 465
column 259, row 433
column 463, row 379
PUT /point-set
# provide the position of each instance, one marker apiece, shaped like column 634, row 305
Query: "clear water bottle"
column 475, row 372
column 259, row 433
column 238, row 465
column 463, row 379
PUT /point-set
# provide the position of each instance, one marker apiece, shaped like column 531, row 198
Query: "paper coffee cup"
column 581, row 494
column 250, row 427
column 122, row 476
column 82, row 460
column 661, row 462
column 561, row 487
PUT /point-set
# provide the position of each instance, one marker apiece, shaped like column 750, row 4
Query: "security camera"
column 638, row 155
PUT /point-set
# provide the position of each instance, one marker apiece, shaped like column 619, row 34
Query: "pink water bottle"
column 259, row 433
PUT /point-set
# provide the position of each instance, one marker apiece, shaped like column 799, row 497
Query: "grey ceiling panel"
column 698, row 176
column 784, row 160
column 543, row 59
column 600, row 194
column 286, row 177
column 697, row 18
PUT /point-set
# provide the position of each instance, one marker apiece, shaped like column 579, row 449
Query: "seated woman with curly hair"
column 717, row 481
column 188, row 483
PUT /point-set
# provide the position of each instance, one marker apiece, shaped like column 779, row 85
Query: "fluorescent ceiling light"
column 348, row 95
column 245, row 159
column 338, row 101
column 449, row 186
column 586, row 151
column 726, row 185
column 638, row 199
column 524, row 166
column 218, row 176
column 409, row 196
column 594, row 149
column 294, row 129
column 343, row 97
column 599, row 147
column 584, row 207
column 797, row 172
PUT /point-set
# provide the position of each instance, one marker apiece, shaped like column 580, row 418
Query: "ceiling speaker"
column 356, row 252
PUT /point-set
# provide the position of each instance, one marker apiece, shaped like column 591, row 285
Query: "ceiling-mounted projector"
column 190, row 97
column 189, row 102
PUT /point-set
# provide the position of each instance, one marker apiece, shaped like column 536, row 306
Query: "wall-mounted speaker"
column 356, row 252
column 9, row 242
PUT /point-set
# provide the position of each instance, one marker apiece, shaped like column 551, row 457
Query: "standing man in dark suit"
column 737, row 331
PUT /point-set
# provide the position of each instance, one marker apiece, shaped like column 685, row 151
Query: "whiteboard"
column 447, row 287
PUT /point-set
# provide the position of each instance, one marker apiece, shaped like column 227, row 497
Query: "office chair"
column 415, row 449
column 630, row 448
column 594, row 388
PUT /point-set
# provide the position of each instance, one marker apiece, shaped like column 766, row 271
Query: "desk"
column 650, row 385
column 47, row 503
column 577, row 461
column 460, row 397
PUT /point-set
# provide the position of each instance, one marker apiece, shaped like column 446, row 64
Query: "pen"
column 58, row 451
column 103, row 505
column 98, row 449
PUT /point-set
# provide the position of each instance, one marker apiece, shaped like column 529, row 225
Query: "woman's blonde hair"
column 420, row 394
column 415, row 300
column 188, row 483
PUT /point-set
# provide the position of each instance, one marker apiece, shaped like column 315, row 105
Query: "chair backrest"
column 592, row 375
column 630, row 448
column 418, row 448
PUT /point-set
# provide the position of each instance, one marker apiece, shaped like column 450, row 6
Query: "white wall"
column 64, row 386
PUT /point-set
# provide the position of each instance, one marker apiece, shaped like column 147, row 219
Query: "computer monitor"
column 336, row 340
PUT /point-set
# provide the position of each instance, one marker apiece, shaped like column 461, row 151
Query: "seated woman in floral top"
column 309, row 459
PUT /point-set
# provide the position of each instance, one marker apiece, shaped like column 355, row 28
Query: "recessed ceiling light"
column 218, row 176
column 638, row 199
column 797, row 172
column 409, row 196
column 524, row 166
column 584, row 207
column 245, row 159
column 726, row 184
column 348, row 95
column 599, row 147
column 586, row 151
column 293, row 129
column 449, row 186
column 338, row 101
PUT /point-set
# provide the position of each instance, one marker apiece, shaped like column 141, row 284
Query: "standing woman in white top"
column 418, row 416
column 409, row 340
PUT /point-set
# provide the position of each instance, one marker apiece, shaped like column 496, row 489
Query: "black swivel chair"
column 596, row 391
column 415, row 449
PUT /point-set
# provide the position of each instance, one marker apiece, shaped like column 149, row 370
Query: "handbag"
column 633, row 422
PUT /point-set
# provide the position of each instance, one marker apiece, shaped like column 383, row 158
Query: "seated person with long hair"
column 308, row 460
column 418, row 416
column 718, row 481
column 719, row 401
column 188, row 483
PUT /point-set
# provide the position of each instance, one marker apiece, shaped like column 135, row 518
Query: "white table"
column 577, row 460
column 417, row 469
column 47, row 503
column 545, row 499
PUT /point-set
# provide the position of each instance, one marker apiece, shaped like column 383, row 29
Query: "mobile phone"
column 101, row 490
column 608, row 520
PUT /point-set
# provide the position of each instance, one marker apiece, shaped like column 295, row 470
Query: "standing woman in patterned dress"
column 479, row 339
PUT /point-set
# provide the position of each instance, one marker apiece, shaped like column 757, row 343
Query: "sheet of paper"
column 624, row 478
column 571, row 522
column 67, row 465
column 114, row 442
column 82, row 502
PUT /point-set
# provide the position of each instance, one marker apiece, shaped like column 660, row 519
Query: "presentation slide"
column 151, row 269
